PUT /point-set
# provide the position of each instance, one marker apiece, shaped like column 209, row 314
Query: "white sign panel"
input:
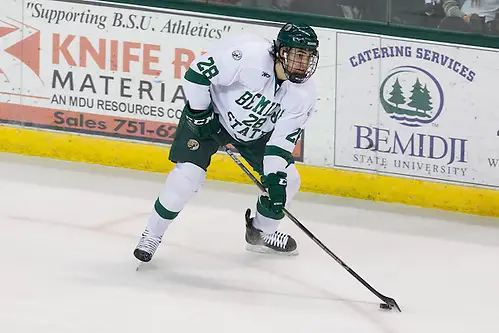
column 418, row 110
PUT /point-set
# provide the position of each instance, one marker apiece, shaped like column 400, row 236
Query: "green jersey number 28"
column 208, row 68
column 293, row 137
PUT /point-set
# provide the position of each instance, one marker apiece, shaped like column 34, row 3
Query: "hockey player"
column 257, row 96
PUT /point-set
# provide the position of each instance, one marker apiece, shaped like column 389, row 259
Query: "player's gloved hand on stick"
column 275, row 183
column 203, row 122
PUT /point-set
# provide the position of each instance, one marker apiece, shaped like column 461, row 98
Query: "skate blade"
column 139, row 263
column 267, row 250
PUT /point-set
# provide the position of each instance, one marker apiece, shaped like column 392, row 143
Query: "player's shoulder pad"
column 250, row 55
column 250, row 50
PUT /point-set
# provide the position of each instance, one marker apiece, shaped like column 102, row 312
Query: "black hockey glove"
column 275, row 183
column 203, row 123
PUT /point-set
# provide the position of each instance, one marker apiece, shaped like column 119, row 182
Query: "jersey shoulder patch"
column 257, row 65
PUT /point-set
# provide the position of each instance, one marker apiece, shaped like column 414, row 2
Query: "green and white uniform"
column 238, row 78
column 260, row 115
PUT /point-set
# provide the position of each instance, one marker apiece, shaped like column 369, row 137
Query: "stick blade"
column 391, row 303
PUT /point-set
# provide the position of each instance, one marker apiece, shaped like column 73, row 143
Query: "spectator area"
column 465, row 16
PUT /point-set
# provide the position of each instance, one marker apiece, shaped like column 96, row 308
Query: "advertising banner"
column 386, row 105
column 419, row 110
column 103, row 69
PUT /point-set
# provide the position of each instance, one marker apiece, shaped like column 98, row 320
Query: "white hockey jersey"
column 238, row 78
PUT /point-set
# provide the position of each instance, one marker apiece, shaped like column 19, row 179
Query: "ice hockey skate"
column 276, row 243
column 147, row 246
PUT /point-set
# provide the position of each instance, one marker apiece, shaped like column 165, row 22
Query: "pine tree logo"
column 412, row 96
column 397, row 97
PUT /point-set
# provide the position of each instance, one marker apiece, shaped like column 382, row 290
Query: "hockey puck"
column 384, row 306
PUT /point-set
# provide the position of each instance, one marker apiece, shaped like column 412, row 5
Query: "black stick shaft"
column 311, row 235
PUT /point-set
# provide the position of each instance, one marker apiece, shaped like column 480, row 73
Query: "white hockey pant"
column 185, row 180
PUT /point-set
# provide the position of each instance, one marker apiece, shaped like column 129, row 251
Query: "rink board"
column 314, row 179
column 398, row 119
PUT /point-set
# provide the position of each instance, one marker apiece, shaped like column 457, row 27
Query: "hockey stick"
column 389, row 302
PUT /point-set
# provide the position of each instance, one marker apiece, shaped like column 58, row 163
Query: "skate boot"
column 147, row 246
column 277, row 243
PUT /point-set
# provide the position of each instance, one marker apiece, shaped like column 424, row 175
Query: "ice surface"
column 67, row 232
